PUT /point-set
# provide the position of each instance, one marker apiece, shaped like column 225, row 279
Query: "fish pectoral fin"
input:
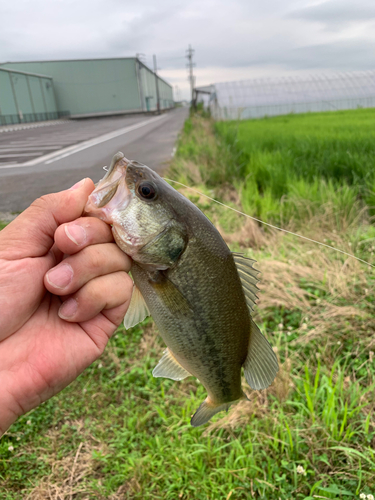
column 261, row 364
column 169, row 367
column 249, row 278
column 137, row 310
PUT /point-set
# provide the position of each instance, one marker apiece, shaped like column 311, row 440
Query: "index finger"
column 72, row 237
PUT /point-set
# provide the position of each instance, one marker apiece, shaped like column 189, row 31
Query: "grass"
column 118, row 433
column 319, row 158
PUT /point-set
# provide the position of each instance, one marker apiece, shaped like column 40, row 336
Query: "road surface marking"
column 63, row 153
column 102, row 138
column 16, row 155
column 27, row 148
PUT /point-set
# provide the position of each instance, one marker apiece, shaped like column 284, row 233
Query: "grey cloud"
column 338, row 56
column 279, row 51
column 226, row 34
column 336, row 13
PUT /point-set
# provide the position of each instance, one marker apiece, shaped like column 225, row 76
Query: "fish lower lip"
column 111, row 192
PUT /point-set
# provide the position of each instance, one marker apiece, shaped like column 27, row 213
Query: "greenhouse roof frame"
column 295, row 89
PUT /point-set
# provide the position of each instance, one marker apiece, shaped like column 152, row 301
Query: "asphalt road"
column 47, row 159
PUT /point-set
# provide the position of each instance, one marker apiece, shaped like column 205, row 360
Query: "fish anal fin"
column 169, row 367
column 261, row 364
column 208, row 409
column 137, row 310
column 249, row 278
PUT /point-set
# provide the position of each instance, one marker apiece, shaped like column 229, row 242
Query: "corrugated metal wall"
column 148, row 90
column 26, row 97
column 166, row 95
column 102, row 86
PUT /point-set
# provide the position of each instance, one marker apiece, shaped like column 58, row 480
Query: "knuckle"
column 48, row 203
column 43, row 203
column 91, row 259
column 97, row 293
column 96, row 259
column 121, row 286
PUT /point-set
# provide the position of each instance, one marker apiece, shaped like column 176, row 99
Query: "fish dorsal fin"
column 261, row 364
column 137, row 310
column 249, row 278
column 169, row 367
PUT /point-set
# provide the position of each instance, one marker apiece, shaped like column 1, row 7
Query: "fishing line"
column 271, row 225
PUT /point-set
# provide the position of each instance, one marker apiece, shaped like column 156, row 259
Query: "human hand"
column 64, row 289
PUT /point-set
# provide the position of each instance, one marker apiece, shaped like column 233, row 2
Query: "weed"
column 305, row 159
column 119, row 433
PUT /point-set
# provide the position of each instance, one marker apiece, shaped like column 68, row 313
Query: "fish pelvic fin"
column 261, row 364
column 169, row 367
column 137, row 310
column 249, row 278
column 208, row 409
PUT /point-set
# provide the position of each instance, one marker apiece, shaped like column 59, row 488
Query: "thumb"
column 31, row 234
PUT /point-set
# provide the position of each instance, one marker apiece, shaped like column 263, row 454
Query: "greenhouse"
column 278, row 96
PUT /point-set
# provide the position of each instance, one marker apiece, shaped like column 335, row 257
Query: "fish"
column 199, row 293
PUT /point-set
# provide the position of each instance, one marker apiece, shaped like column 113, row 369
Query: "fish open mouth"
column 111, row 193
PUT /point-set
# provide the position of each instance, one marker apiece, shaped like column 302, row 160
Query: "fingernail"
column 68, row 309
column 78, row 184
column 76, row 233
column 61, row 276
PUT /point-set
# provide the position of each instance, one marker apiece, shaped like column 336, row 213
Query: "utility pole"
column 139, row 79
column 157, row 85
column 189, row 55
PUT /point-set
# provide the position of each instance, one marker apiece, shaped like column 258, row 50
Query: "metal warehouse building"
column 99, row 86
column 26, row 97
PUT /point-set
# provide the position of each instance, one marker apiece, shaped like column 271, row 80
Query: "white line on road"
column 16, row 155
column 59, row 144
column 103, row 138
column 63, row 153
column 28, row 148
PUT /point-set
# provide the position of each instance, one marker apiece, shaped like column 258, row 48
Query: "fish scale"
column 199, row 294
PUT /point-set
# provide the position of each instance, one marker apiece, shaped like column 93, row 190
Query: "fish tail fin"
column 208, row 409
column 261, row 364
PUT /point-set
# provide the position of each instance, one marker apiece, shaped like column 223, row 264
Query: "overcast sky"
column 232, row 39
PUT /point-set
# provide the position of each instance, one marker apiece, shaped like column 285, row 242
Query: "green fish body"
column 199, row 294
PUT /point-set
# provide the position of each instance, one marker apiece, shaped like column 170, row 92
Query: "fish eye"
column 147, row 190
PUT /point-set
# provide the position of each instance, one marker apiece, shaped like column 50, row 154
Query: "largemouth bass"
column 199, row 294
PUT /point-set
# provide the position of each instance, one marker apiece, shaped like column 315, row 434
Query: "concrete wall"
column 26, row 97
